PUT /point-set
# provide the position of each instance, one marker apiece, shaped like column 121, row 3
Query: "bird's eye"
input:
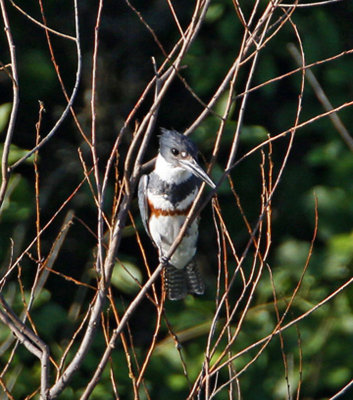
column 174, row 151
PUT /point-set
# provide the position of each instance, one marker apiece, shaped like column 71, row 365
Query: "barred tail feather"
column 194, row 279
column 180, row 282
column 175, row 283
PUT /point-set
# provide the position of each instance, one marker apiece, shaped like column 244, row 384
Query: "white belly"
column 165, row 229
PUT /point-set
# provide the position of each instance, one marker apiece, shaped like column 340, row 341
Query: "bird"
column 165, row 197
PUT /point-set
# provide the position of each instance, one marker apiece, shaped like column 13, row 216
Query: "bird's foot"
column 164, row 260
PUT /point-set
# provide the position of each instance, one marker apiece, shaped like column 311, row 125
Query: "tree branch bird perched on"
column 165, row 197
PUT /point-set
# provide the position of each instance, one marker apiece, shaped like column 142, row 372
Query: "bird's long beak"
column 192, row 166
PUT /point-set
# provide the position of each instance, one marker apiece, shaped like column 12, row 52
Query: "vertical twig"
column 30, row 340
column 5, row 173
column 71, row 99
column 100, row 220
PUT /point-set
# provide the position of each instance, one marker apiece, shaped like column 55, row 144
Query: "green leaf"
column 253, row 134
column 339, row 256
column 16, row 203
column 5, row 110
column 16, row 153
column 214, row 12
column 125, row 277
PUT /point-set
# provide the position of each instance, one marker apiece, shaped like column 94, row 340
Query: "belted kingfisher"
column 165, row 197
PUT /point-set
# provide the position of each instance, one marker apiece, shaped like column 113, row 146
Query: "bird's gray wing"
column 142, row 200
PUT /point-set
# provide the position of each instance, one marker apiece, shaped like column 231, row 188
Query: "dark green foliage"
column 320, row 167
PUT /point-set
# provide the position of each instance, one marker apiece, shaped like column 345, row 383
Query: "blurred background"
column 320, row 166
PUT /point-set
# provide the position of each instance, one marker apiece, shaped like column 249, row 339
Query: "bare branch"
column 44, row 26
column 70, row 103
column 320, row 94
column 5, row 172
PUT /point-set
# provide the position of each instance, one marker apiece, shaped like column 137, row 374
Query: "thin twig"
column 55, row 32
column 93, row 147
column 30, row 340
column 288, row 325
column 313, row 4
column 19, row 259
column 342, row 391
column 320, row 94
column 71, row 100
column 5, row 171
